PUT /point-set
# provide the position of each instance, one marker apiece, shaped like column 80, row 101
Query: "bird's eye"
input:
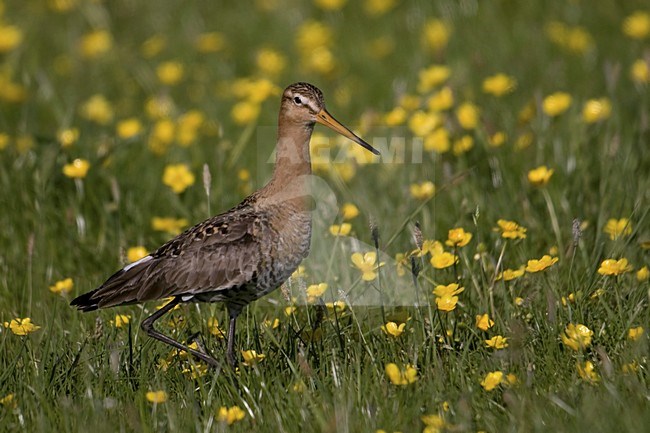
column 297, row 100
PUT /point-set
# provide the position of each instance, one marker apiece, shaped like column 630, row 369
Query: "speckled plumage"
column 241, row 255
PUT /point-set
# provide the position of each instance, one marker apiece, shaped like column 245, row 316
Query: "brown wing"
column 217, row 254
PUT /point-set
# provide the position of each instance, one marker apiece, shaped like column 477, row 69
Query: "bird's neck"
column 290, row 180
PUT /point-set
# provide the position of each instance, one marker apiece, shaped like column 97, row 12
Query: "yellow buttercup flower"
column 312, row 34
column 596, row 110
column 395, row 117
column 336, row 306
column 9, row 401
column 446, row 298
column 575, row 39
column 492, row 380
column 511, row 274
column 635, row 334
column 21, row 326
column 497, row 342
column 556, row 103
column 162, row 133
column 170, row 73
column 62, row 287
column 537, row 265
column 447, row 303
column 315, row 291
column 95, row 44
column 215, row 329
column 422, row 123
column 300, row 272
column 640, row 72
column 617, row 228
column 134, row 254
column 97, row 109
column 614, row 267
column 511, row 379
column 458, row 237
column 499, row 84
column 432, row 77
column 443, row 260
column 254, row 90
column 523, row 141
column 349, row 211
column 156, row 397
column 153, row 46
column 67, row 137
column 510, row 229
column 401, row 377
column 270, row 61
column 435, row 423
column 449, row 290
column 230, row 415
column 320, row 60
column 577, row 337
column 210, row 42
column 178, row 177
column 366, row 263
column 569, row 299
column 340, row 230
column 159, row 107
column 251, row 357
column 378, row 7
column 128, row 128
column 429, row 247
column 422, row 190
column 10, row 37
column 643, row 274
column 409, row 102
column 468, row 115
column 330, row 5
column 587, row 372
column 194, row 371
column 173, row 226
column 121, row 320
column 438, row 141
column 436, row 34
column 630, row 367
column 271, row 324
column 540, row 176
column 637, row 25
column 393, row 329
column 298, row 386
column 483, row 322
column 77, row 169
column 497, row 139
column 463, row 144
column 245, row 112
column 441, row 100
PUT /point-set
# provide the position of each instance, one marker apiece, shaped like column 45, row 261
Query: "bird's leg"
column 147, row 326
column 230, row 353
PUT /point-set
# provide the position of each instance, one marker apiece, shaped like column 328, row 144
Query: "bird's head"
column 303, row 103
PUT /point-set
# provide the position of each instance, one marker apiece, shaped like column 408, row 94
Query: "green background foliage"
column 79, row 372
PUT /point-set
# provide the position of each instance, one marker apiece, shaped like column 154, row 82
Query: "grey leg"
column 147, row 326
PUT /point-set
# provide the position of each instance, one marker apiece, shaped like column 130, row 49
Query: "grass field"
column 109, row 112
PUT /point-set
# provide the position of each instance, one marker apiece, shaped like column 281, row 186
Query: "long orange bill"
column 325, row 118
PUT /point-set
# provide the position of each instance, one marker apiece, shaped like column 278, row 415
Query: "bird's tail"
column 86, row 302
column 120, row 289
